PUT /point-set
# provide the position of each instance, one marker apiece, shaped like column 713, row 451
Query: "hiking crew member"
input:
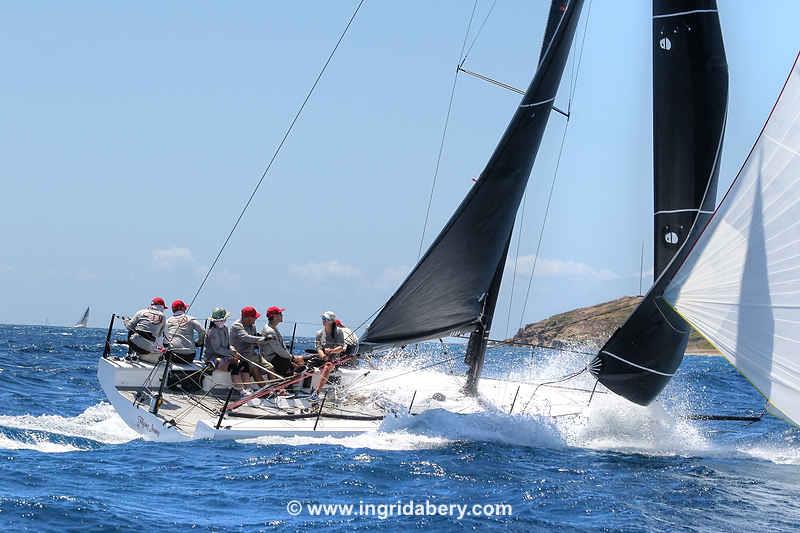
column 274, row 349
column 246, row 340
column 180, row 332
column 330, row 345
column 146, row 329
column 221, row 355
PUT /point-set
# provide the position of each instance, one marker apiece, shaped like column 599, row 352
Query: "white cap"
column 329, row 316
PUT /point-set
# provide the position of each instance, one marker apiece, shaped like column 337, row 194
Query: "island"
column 592, row 326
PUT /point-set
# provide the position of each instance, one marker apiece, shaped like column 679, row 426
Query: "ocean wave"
column 99, row 423
column 37, row 443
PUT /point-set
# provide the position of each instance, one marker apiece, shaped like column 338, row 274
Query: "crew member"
column 246, row 340
column 220, row 353
column 274, row 349
column 330, row 345
column 180, row 335
column 146, row 330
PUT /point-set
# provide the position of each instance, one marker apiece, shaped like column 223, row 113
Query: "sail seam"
column 678, row 14
column 781, row 145
column 637, row 366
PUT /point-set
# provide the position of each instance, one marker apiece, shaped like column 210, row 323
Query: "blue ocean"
column 70, row 463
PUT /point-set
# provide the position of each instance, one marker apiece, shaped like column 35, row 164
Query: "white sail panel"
column 740, row 285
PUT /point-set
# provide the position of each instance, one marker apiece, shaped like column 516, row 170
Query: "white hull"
column 121, row 379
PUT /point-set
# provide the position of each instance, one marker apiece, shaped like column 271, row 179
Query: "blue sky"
column 131, row 135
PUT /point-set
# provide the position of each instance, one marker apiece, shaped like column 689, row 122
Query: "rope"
column 444, row 130
column 277, row 151
column 558, row 380
column 443, row 361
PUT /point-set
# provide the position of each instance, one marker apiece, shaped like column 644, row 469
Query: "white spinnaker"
column 740, row 285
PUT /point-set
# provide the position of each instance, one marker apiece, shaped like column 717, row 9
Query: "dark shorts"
column 282, row 366
column 133, row 347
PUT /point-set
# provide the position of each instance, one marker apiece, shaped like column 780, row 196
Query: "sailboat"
column 453, row 289
column 84, row 320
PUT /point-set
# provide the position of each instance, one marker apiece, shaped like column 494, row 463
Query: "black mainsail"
column 690, row 93
column 454, row 286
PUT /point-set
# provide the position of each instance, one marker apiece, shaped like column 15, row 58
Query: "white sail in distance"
column 740, row 284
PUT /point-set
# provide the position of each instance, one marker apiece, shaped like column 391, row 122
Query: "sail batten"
column 449, row 288
column 690, row 86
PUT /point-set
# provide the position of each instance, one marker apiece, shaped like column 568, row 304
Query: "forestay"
column 740, row 285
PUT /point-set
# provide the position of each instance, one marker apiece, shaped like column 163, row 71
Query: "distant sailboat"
column 84, row 321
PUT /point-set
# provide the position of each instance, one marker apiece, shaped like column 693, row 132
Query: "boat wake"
column 97, row 425
column 610, row 423
column 437, row 428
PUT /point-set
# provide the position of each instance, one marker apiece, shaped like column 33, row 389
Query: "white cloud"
column 325, row 270
column 392, row 276
column 226, row 279
column 559, row 267
column 171, row 258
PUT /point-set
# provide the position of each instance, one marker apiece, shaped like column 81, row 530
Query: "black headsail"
column 454, row 286
column 690, row 94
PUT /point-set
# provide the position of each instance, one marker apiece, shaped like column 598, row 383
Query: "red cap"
column 158, row 300
column 250, row 312
column 339, row 323
column 275, row 310
column 178, row 305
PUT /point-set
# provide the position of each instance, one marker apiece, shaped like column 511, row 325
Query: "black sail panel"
column 448, row 288
column 690, row 92
column 690, row 88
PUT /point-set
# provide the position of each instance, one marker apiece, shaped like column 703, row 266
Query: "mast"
column 476, row 347
column 454, row 286
column 478, row 339
column 690, row 90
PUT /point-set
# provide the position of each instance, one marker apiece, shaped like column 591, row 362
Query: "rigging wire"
column 444, row 129
column 478, row 33
column 573, row 86
column 516, row 260
column 437, row 363
column 562, row 379
column 277, row 151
